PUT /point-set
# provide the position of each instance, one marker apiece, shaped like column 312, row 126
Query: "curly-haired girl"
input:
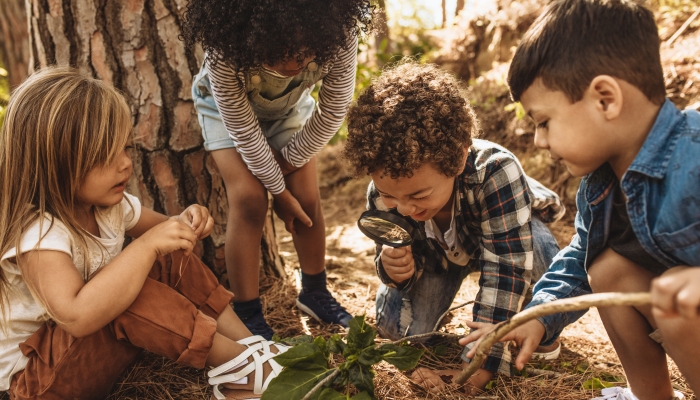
column 411, row 131
column 77, row 308
column 263, row 128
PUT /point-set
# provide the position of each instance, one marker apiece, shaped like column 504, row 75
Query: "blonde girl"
column 76, row 307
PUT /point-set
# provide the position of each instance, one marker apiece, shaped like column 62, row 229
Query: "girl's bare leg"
column 247, row 209
column 310, row 243
column 643, row 359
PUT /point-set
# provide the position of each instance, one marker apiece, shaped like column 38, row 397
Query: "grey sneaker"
column 323, row 307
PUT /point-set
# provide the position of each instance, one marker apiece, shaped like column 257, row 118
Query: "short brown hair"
column 574, row 41
column 411, row 115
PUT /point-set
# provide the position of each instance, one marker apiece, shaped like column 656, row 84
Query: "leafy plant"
column 307, row 365
column 596, row 383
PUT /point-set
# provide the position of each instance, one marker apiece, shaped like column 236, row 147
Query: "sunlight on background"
column 410, row 13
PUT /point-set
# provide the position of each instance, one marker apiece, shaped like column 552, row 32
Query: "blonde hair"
column 59, row 125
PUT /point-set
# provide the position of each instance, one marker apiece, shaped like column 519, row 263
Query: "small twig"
column 682, row 28
column 321, row 384
column 543, row 372
column 437, row 324
column 557, row 306
column 425, row 335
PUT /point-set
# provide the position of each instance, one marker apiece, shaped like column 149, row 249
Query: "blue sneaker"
column 323, row 307
column 257, row 325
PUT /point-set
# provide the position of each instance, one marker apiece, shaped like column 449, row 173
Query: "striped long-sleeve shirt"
column 243, row 126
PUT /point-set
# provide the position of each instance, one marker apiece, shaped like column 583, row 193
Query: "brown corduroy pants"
column 173, row 316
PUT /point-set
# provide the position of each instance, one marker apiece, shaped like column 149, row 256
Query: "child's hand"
column 398, row 263
column 436, row 380
column 288, row 209
column 528, row 336
column 169, row 236
column 676, row 292
column 199, row 219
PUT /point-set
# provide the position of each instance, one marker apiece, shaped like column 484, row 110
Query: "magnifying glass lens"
column 386, row 228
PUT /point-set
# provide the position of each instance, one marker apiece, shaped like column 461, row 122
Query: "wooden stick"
column 682, row 28
column 554, row 307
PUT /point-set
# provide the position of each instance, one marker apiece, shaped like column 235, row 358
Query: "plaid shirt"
column 492, row 215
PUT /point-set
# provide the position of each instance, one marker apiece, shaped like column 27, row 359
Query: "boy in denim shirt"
column 411, row 131
column 588, row 73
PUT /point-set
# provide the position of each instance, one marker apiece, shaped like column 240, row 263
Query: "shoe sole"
column 552, row 355
column 307, row 310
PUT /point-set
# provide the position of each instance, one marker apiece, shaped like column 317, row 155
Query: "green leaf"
column 360, row 334
column 440, row 350
column 336, row 344
column 331, row 394
column 402, row 357
column 595, row 383
column 370, row 356
column 276, row 338
column 294, row 384
column 490, row 385
column 302, row 356
column 582, row 367
column 362, row 377
column 321, row 343
column 362, row 396
column 293, row 341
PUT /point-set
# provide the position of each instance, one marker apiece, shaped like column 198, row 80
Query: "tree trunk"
column 444, row 13
column 14, row 40
column 460, row 7
column 134, row 45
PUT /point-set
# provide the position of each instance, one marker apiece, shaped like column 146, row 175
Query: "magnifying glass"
column 387, row 228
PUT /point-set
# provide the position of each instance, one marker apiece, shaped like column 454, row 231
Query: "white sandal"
column 261, row 352
column 618, row 393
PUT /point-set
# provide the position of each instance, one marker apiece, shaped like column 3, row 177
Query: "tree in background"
column 134, row 46
column 14, row 41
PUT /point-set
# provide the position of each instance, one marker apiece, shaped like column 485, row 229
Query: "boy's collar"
column 652, row 159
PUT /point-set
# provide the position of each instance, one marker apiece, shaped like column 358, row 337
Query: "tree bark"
column 14, row 40
column 134, row 45
column 459, row 7
column 444, row 13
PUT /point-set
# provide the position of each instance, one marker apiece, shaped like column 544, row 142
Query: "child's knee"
column 611, row 272
column 249, row 205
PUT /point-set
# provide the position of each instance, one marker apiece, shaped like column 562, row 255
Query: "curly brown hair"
column 248, row 33
column 411, row 115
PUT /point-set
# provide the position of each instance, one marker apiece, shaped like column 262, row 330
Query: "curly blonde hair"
column 411, row 115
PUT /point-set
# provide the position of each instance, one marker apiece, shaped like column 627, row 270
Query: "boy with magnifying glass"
column 411, row 131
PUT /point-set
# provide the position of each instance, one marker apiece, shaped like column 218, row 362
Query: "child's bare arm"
column 82, row 308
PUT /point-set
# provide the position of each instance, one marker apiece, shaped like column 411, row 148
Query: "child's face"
column 104, row 186
column 290, row 66
column 574, row 133
column 421, row 196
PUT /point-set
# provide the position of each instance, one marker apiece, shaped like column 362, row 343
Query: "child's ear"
column 606, row 92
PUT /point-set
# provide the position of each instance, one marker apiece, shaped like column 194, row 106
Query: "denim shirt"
column 662, row 186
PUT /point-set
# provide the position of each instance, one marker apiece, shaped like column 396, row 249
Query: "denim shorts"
column 216, row 136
